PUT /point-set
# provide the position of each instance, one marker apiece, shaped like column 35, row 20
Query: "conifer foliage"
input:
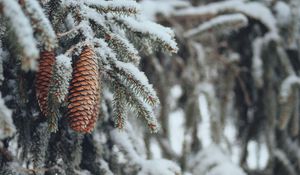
column 107, row 34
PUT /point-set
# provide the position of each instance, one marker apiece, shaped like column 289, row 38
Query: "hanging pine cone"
column 84, row 93
column 43, row 78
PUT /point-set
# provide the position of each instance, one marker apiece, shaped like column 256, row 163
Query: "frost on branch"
column 7, row 127
column 156, row 33
column 58, row 90
column 40, row 23
column 22, row 31
column 115, row 26
column 252, row 10
column 61, row 76
column 257, row 65
column 159, row 167
column 114, row 29
column 130, row 84
column 135, row 156
column 119, row 7
column 288, row 99
column 223, row 22
column 213, row 161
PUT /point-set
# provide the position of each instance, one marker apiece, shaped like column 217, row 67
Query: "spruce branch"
column 58, row 89
column 119, row 107
column 156, row 34
column 136, row 80
column 62, row 74
column 261, row 13
column 22, row 30
column 131, row 77
column 125, row 50
column 287, row 99
column 7, row 127
column 40, row 23
column 117, row 7
column 136, row 90
column 219, row 23
column 135, row 102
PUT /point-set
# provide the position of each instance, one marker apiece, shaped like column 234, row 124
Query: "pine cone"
column 43, row 78
column 84, row 93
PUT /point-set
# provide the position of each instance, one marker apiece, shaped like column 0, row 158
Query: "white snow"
column 103, row 50
column 283, row 13
column 213, row 161
column 64, row 60
column 148, row 167
column 138, row 75
column 104, row 165
column 62, row 77
column 155, row 149
column 176, row 128
column 252, row 9
column 257, row 155
column 204, row 127
column 122, row 139
column 41, row 23
column 86, row 30
column 223, row 22
column 226, row 169
column 93, row 15
column 286, row 87
column 157, row 31
column 159, row 167
column 115, row 5
column 150, row 8
column 257, row 63
column 23, row 31
column 7, row 127
column 131, row 51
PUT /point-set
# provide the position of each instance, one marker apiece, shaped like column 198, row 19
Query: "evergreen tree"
column 74, row 77
column 64, row 65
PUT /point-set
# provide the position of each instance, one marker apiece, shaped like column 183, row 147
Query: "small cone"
column 43, row 79
column 84, row 93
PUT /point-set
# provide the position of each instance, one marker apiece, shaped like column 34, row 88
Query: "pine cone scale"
column 84, row 93
column 43, row 78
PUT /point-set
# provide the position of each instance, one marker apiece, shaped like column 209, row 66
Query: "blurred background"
column 230, row 98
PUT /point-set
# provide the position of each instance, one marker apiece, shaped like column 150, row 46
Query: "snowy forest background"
column 228, row 90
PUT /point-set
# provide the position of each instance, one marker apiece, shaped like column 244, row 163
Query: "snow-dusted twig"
column 222, row 22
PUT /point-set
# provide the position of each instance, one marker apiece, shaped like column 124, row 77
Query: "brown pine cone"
column 43, row 78
column 84, row 93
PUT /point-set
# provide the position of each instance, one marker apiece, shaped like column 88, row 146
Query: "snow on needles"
column 286, row 87
column 213, row 161
column 151, row 8
column 41, row 23
column 159, row 167
column 22, row 28
column 7, row 127
column 138, row 75
column 253, row 10
column 232, row 21
column 283, row 13
column 115, row 6
column 156, row 166
column 257, row 65
column 64, row 60
column 157, row 31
